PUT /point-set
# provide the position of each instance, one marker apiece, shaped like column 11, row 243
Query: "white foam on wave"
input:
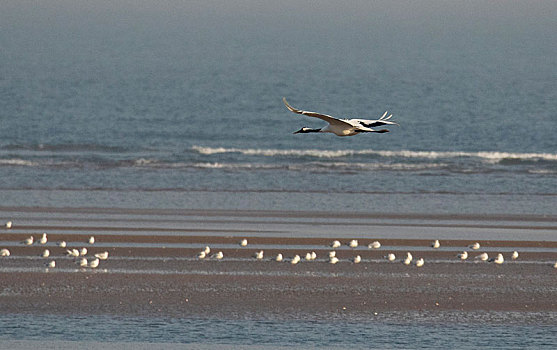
column 18, row 162
column 487, row 155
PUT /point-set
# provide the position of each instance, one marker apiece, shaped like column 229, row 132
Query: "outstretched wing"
column 327, row 118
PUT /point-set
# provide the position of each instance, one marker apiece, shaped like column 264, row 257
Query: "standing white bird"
column 279, row 257
column 83, row 251
column 9, row 225
column 436, row 244
column 555, row 265
column 62, row 244
column 28, row 241
column 46, row 253
column 219, row 255
column 313, row 255
column 201, row 255
column 357, row 259
column 515, row 255
column 332, row 254
column 409, row 256
column 390, row 257
column 73, row 252
column 335, row 244
column 475, row 246
column 353, row 243
column 207, row 250
column 420, row 262
column 499, row 259
column 374, row 245
column 407, row 261
column 51, row 264
column 482, row 257
column 94, row 263
column 244, row 242
column 4, row 252
column 463, row 255
column 308, row 257
column 102, row 256
column 91, row 240
column 43, row 239
column 333, row 260
column 295, row 260
column 82, row 262
column 259, row 255
column 343, row 127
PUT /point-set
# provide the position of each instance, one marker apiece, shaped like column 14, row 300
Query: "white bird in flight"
column 343, row 127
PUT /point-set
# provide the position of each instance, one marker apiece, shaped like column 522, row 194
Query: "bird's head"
column 306, row 130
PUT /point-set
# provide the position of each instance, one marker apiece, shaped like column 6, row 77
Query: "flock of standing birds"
column 79, row 255
column 333, row 259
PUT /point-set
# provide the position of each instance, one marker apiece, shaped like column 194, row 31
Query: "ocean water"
column 177, row 104
column 186, row 97
column 140, row 332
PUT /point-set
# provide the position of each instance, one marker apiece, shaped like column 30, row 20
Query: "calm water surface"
column 502, row 332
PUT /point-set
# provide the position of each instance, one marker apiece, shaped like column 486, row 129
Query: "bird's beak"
column 296, row 132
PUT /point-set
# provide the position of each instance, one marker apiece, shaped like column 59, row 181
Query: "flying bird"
column 343, row 127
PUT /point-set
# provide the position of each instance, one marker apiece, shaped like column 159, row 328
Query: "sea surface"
column 177, row 104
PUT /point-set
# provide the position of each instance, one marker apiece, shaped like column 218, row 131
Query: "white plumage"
column 335, row 244
column 4, row 252
column 482, row 257
column 374, row 245
column 343, row 127
column 436, row 244
column 420, row 262
column 463, row 255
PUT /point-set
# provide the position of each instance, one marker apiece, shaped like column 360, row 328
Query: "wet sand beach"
column 153, row 269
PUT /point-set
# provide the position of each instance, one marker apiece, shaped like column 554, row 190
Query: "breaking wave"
column 487, row 155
